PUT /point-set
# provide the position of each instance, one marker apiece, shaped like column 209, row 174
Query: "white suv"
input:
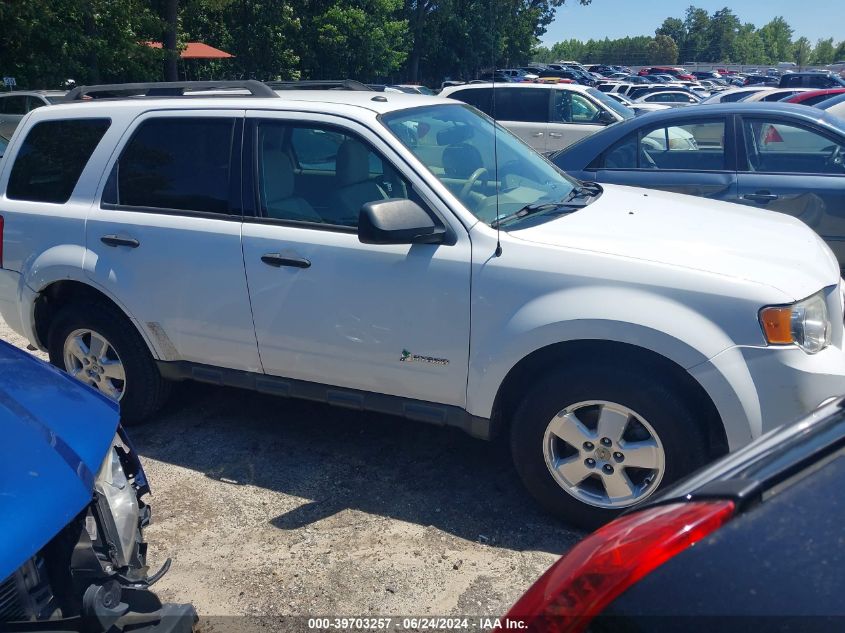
column 549, row 117
column 365, row 250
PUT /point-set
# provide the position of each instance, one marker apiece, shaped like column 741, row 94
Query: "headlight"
column 805, row 324
column 119, row 507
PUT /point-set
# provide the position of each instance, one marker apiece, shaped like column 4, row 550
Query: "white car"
column 401, row 253
column 734, row 94
column 671, row 98
column 548, row 117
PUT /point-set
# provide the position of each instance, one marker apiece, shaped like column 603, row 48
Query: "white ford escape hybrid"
column 368, row 252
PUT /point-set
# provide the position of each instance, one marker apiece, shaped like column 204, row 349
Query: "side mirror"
column 606, row 118
column 397, row 221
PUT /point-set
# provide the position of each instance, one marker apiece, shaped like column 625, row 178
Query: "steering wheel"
column 470, row 183
column 835, row 159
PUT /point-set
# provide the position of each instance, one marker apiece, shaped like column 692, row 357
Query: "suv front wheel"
column 96, row 344
column 591, row 441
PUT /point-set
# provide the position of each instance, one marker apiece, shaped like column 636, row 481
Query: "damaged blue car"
column 72, row 511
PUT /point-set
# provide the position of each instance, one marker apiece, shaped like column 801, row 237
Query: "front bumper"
column 756, row 389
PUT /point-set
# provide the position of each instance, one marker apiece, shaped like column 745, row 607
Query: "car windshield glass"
column 456, row 144
column 618, row 108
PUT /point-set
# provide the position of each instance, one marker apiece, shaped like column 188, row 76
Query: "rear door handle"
column 555, row 135
column 761, row 196
column 537, row 134
column 116, row 240
column 278, row 260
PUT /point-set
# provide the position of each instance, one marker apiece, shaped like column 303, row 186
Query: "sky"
column 813, row 19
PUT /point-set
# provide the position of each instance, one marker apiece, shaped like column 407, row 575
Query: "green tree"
column 748, row 46
column 802, row 51
column 696, row 39
column 674, row 28
column 46, row 42
column 722, row 32
column 777, row 40
column 824, row 52
column 662, row 50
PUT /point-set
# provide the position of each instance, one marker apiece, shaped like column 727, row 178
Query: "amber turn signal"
column 777, row 324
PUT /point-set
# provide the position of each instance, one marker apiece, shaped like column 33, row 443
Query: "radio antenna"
column 495, row 123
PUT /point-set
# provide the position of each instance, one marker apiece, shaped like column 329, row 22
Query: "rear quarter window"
column 52, row 157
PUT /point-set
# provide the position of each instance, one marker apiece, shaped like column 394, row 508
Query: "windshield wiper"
column 578, row 198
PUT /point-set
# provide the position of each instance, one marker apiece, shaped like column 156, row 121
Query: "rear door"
column 525, row 112
column 166, row 236
column 795, row 168
column 694, row 156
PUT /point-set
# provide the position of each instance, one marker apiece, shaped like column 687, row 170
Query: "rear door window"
column 773, row 146
column 52, row 158
column 178, row 163
column 13, row 105
column 480, row 98
column 530, row 105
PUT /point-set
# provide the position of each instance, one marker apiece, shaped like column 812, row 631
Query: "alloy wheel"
column 604, row 454
column 91, row 359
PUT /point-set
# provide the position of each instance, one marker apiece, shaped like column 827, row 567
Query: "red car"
column 812, row 97
column 678, row 73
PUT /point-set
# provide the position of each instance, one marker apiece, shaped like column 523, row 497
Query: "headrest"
column 277, row 170
column 353, row 163
column 459, row 161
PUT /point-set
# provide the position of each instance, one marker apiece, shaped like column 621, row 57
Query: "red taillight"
column 580, row 585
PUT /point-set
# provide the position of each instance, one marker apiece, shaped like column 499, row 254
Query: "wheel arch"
column 56, row 294
column 546, row 358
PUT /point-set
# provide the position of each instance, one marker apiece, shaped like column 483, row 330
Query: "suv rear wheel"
column 96, row 344
column 591, row 441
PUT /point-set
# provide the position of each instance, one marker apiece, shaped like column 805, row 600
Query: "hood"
column 55, row 434
column 722, row 238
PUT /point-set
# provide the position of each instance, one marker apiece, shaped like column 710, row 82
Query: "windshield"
column 456, row 144
column 610, row 102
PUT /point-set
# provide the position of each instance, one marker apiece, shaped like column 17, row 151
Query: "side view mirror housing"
column 606, row 118
column 398, row 221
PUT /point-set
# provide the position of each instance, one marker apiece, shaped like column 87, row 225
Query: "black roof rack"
column 166, row 89
column 319, row 84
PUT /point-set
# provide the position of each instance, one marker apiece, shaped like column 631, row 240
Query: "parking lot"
column 272, row 507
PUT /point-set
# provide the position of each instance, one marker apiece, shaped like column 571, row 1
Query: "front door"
column 165, row 240
column 694, row 157
column 796, row 169
column 574, row 116
column 384, row 319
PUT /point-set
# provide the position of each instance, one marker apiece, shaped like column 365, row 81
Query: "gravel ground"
column 272, row 507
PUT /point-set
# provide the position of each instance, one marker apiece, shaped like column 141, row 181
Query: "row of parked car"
column 401, row 253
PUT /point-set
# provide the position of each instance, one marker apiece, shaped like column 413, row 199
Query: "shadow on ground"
column 342, row 459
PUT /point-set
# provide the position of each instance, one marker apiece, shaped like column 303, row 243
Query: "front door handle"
column 278, row 260
column 555, row 135
column 761, row 196
column 116, row 240
column 537, row 134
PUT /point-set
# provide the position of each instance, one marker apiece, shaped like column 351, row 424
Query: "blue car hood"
column 54, row 434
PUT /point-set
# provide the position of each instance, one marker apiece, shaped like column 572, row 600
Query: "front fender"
column 653, row 322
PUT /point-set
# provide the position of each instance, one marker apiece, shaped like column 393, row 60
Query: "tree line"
column 720, row 37
column 46, row 42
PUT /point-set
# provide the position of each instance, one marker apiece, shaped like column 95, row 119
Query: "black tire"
column 655, row 396
column 145, row 390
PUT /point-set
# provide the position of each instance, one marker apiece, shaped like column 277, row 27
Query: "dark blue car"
column 72, row 511
column 781, row 157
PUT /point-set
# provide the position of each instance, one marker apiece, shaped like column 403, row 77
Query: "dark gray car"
column 777, row 156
